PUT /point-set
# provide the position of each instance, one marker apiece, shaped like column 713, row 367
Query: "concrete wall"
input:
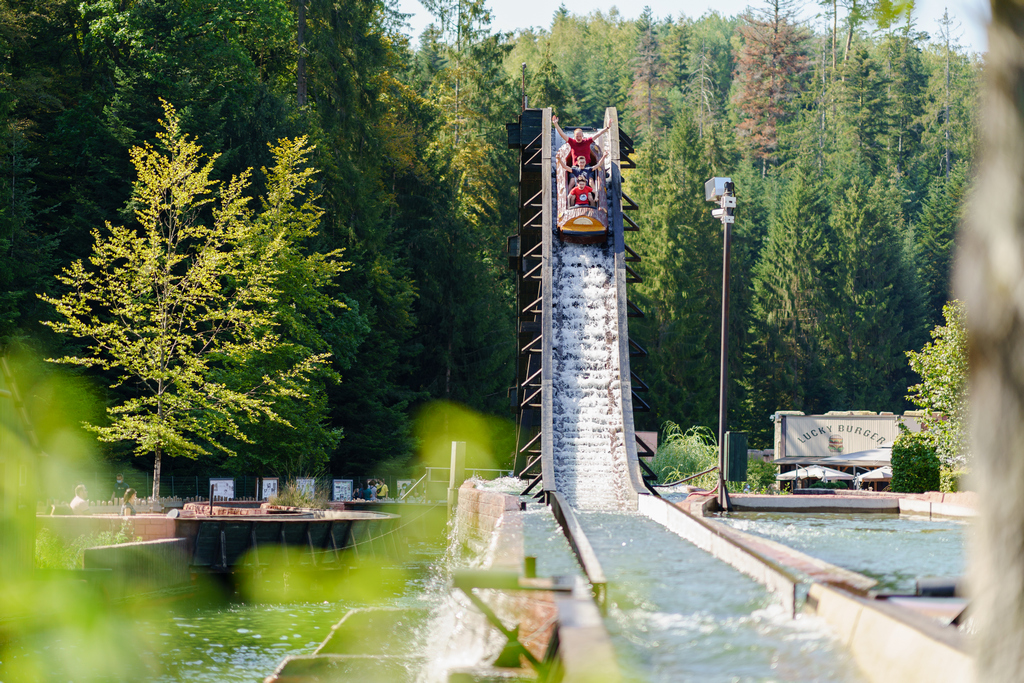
column 479, row 514
column 891, row 644
column 145, row 567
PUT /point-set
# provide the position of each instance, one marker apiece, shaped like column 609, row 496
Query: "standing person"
column 120, row 486
column 128, row 507
column 382, row 490
column 370, row 493
column 80, row 503
column 579, row 144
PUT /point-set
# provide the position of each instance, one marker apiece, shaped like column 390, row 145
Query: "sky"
column 509, row 15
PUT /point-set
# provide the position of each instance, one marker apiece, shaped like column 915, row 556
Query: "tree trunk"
column 300, row 40
column 156, row 473
column 989, row 277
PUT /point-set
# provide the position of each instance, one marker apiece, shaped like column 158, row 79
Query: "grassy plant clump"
column 915, row 465
column 292, row 496
column 682, row 454
column 56, row 552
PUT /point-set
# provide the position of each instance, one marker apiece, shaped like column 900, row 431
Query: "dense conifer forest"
column 850, row 140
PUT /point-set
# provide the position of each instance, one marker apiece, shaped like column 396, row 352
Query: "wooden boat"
column 581, row 224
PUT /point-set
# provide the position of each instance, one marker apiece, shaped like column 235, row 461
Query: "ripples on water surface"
column 678, row 614
column 893, row 549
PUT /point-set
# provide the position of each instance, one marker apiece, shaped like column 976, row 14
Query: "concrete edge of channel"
column 891, row 644
column 888, row 643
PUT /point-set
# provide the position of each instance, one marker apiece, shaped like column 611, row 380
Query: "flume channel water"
column 242, row 642
column 678, row 614
column 893, row 549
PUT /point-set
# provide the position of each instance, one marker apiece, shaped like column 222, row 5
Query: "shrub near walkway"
column 915, row 465
column 55, row 552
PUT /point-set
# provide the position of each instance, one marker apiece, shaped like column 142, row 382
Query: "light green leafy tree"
column 170, row 305
column 942, row 393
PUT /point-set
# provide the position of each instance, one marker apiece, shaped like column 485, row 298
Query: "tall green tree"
column 936, row 230
column 174, row 303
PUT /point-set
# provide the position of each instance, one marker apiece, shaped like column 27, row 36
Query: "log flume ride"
column 577, row 371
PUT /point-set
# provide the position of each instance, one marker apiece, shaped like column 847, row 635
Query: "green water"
column 210, row 638
column 894, row 549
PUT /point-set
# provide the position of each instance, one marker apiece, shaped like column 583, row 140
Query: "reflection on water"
column 238, row 642
column 893, row 549
column 678, row 614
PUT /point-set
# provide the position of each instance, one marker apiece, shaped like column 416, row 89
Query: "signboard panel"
column 819, row 436
column 306, row 485
column 269, row 489
column 342, row 489
column 224, row 489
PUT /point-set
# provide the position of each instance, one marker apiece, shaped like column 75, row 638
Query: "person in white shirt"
column 80, row 503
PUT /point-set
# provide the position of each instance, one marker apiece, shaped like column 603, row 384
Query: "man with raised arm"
column 580, row 145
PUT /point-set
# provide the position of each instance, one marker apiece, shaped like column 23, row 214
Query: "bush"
column 915, row 466
column 681, row 454
column 828, row 485
column 56, row 552
column 951, row 480
column 761, row 476
column 292, row 496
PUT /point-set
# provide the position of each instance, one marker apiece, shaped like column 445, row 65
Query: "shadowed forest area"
column 850, row 142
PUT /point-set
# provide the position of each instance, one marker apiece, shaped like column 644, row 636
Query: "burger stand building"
column 854, row 442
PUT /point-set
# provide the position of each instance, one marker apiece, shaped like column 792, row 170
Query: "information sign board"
column 342, row 489
column 223, row 489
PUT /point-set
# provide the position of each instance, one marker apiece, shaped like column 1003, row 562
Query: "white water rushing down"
column 589, row 441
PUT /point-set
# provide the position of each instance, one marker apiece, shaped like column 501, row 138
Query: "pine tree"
column 786, row 363
column 769, row 65
column 646, row 96
column 874, row 318
column 865, row 123
column 936, row 230
column 907, row 83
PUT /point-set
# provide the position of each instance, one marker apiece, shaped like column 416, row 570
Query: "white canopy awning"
column 814, row 472
column 873, row 457
column 881, row 474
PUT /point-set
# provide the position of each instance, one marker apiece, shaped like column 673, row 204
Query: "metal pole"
column 723, row 385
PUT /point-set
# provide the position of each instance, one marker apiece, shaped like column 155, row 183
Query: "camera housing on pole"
column 722, row 191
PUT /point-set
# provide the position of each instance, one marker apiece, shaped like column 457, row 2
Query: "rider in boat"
column 580, row 145
column 582, row 196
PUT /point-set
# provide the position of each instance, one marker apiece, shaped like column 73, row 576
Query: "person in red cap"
column 580, row 145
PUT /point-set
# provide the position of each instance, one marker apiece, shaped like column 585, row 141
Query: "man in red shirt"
column 579, row 144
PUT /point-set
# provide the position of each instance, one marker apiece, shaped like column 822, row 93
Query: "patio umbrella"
column 814, row 472
column 881, row 474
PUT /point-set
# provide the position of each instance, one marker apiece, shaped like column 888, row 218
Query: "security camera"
column 716, row 188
